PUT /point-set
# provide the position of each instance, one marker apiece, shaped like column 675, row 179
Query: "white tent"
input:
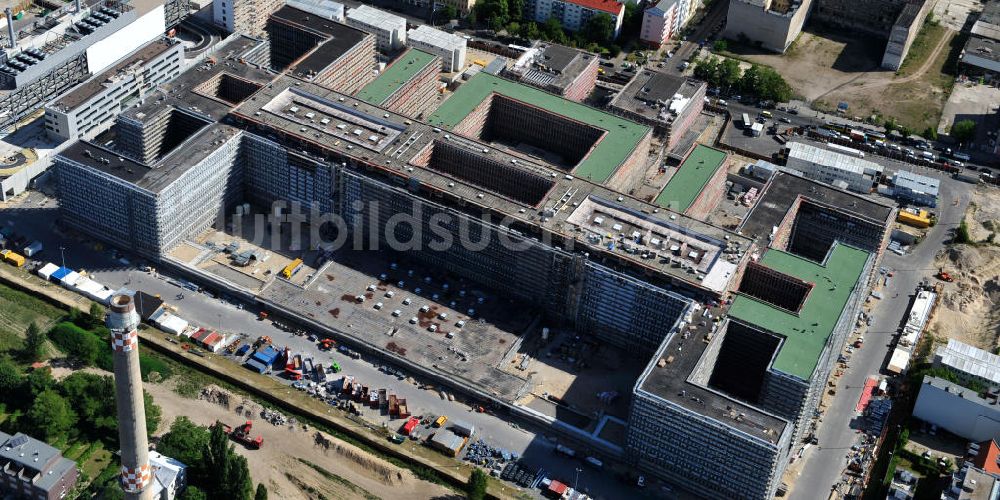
column 70, row 279
column 46, row 271
column 171, row 324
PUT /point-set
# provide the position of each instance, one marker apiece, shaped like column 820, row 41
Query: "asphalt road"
column 34, row 216
column 825, row 462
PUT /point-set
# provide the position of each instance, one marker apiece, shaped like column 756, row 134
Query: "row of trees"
column 761, row 81
column 215, row 470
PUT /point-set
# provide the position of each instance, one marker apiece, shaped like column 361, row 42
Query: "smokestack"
column 10, row 28
column 123, row 321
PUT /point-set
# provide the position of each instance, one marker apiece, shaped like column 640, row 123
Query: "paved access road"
column 825, row 462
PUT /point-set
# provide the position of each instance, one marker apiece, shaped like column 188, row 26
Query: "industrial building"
column 42, row 58
column 247, row 17
column 915, row 188
column 327, row 53
column 840, row 169
column 408, row 86
column 981, row 57
column 969, row 363
column 30, row 468
column 389, row 29
column 89, row 108
column 668, row 103
column 958, row 410
column 574, row 14
column 450, row 47
column 169, row 476
column 569, row 72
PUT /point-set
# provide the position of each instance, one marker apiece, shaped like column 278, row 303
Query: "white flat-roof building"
column 327, row 9
column 838, row 169
column 449, row 46
column 916, row 188
column 957, row 410
column 968, row 362
column 389, row 29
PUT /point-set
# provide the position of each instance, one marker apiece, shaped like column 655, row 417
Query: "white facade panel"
column 104, row 53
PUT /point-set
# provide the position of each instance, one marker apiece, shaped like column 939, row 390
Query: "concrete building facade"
column 574, row 14
column 248, row 17
column 409, row 86
column 833, row 167
column 773, row 24
column 30, row 468
column 957, row 410
column 661, row 22
column 668, row 103
column 389, row 29
column 915, row 188
column 92, row 106
column 450, row 47
column 569, row 72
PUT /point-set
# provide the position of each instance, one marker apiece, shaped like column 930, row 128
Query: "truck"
column 12, row 258
column 595, row 462
column 410, row 424
column 33, row 249
column 262, row 359
column 320, row 373
column 441, row 421
column 241, row 435
column 293, row 367
column 292, row 268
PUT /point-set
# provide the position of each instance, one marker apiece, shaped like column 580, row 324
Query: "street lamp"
column 577, row 480
column 62, row 253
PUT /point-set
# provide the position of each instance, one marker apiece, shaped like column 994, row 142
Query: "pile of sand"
column 983, row 216
column 969, row 307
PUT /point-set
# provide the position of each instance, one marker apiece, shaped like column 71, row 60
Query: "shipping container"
column 33, row 249
column 12, row 258
column 463, row 428
column 410, row 424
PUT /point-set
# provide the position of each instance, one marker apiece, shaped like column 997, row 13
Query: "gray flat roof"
column 338, row 39
column 88, row 89
column 782, row 190
column 649, row 86
column 671, row 383
column 984, row 48
column 557, row 66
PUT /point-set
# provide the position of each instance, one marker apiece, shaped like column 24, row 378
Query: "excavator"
column 943, row 276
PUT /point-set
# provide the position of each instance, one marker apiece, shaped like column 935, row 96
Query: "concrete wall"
column 772, row 30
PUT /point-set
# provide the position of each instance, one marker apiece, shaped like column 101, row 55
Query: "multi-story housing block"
column 248, row 17
column 569, row 72
column 409, row 86
column 30, row 468
column 574, row 14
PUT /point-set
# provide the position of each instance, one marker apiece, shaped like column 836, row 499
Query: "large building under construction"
column 541, row 185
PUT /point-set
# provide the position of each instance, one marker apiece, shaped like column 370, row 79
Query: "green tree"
column 720, row 46
column 261, row 492
column 50, row 416
column 475, row 489
column 514, row 28
column 772, row 86
column 193, row 493
column 74, row 315
column 553, row 30
column 93, row 398
column 964, row 130
column 495, row 12
column 34, row 343
column 599, row 29
column 39, row 381
column 729, row 73
column 188, row 443
column 448, row 13
column 890, row 124
column 153, row 413
column 96, row 314
column 237, row 483
column 962, row 233
column 750, row 79
column 708, row 69
column 10, row 380
column 77, row 342
column 515, row 9
column 930, row 133
column 632, row 19
column 530, row 31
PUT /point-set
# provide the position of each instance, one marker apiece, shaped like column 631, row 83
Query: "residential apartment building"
column 389, row 29
column 92, row 106
column 450, row 47
column 660, row 22
column 774, row 24
column 248, row 17
column 574, row 14
column 915, row 188
column 30, row 468
column 841, row 169
column 569, row 72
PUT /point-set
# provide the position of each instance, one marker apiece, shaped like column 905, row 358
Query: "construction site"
column 494, row 248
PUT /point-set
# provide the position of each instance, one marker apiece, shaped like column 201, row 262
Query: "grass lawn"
column 928, row 38
column 17, row 311
column 98, row 460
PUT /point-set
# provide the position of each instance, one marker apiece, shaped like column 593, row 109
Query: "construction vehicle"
column 293, row 367
column 292, row 268
column 241, row 435
column 12, row 258
column 410, row 425
column 441, row 421
column 262, row 315
column 943, row 276
column 334, row 367
column 327, row 344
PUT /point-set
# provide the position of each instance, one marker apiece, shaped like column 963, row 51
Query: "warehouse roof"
column 608, row 154
column 806, row 333
column 965, row 358
column 405, row 67
column 690, row 178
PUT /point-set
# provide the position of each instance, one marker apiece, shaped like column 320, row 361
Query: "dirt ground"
column 826, row 68
column 361, row 474
column 969, row 308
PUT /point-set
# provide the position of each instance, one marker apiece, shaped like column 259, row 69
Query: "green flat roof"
column 607, row 155
column 690, row 178
column 395, row 76
column 806, row 333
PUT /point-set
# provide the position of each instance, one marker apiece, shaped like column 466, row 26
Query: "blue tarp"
column 257, row 366
column 60, row 273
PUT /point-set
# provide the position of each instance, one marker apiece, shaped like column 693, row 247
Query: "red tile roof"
column 987, row 457
column 609, row 6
